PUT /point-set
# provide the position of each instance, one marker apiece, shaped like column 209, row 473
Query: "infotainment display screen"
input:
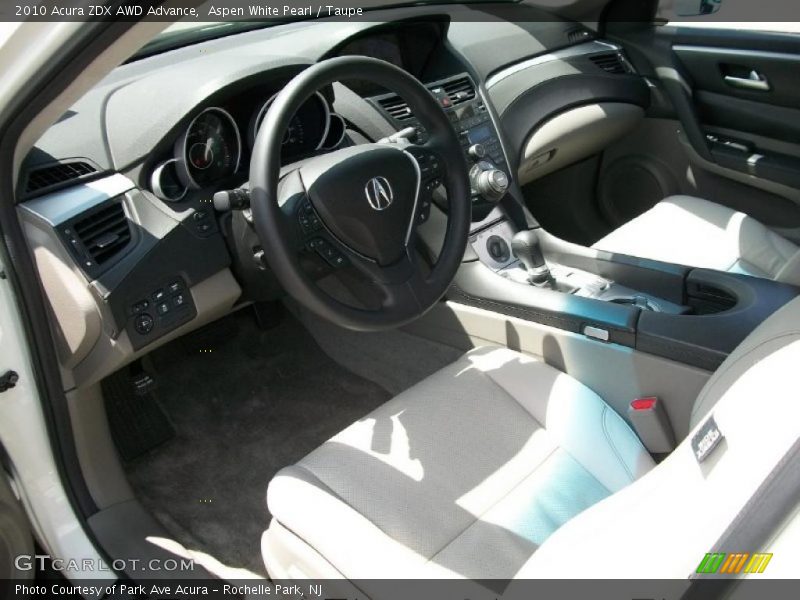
column 384, row 46
column 479, row 134
column 407, row 46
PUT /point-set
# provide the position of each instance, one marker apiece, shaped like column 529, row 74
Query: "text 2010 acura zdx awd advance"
column 433, row 299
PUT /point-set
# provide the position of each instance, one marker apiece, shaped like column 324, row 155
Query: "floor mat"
column 244, row 403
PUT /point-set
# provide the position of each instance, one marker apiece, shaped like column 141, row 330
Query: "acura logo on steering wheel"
column 379, row 193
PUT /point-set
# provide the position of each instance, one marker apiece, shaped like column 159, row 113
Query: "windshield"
column 268, row 14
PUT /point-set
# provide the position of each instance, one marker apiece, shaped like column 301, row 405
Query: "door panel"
column 729, row 71
column 733, row 98
column 749, row 116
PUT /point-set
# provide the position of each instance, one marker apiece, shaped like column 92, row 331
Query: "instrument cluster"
column 212, row 147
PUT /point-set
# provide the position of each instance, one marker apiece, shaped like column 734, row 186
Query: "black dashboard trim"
column 558, row 95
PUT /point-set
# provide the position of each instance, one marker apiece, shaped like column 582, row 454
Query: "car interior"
column 462, row 290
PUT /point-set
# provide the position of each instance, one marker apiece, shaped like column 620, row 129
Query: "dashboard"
column 116, row 197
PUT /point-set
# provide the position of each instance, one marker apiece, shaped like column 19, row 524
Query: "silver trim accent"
column 563, row 54
column 718, row 51
column 416, row 195
column 379, row 193
column 155, row 182
column 596, row 333
column 341, row 138
column 759, row 85
column 184, row 158
column 61, row 206
column 262, row 113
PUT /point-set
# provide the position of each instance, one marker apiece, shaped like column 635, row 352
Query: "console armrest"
column 705, row 340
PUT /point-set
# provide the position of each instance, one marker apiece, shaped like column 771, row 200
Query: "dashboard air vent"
column 56, row 174
column 104, row 233
column 396, row 107
column 459, row 90
column 610, row 63
column 575, row 36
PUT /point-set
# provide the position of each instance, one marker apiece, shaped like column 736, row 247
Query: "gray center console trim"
column 61, row 206
column 477, row 285
column 563, row 54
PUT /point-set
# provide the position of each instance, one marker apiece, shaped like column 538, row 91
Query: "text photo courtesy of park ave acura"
column 391, row 299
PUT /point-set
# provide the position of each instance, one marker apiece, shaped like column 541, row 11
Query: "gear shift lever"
column 525, row 246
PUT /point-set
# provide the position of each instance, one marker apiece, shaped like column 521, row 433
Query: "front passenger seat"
column 500, row 466
column 697, row 233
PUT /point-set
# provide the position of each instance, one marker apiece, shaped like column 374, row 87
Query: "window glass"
column 749, row 15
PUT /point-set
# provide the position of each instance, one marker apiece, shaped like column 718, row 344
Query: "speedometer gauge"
column 211, row 148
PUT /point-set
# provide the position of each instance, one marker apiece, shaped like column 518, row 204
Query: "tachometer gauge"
column 211, row 148
column 307, row 129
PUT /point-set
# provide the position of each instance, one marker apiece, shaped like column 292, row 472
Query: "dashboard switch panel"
column 159, row 310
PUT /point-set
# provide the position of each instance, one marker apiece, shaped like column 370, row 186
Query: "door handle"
column 755, row 82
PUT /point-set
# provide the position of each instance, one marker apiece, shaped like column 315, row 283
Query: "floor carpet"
column 244, row 403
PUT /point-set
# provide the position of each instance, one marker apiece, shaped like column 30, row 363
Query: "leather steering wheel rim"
column 412, row 297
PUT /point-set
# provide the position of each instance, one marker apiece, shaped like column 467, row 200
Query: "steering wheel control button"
column 144, row 324
column 328, row 253
column 366, row 196
column 429, row 164
column 178, row 300
column 309, row 221
column 424, row 211
column 162, row 308
column 159, row 295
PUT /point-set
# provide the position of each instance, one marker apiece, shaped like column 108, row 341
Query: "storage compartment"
column 705, row 299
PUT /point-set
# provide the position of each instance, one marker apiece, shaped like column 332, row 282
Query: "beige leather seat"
column 698, row 233
column 500, row 466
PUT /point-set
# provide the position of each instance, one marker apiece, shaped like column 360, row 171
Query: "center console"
column 692, row 316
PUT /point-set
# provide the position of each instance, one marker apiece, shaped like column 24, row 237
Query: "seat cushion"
column 698, row 233
column 466, row 474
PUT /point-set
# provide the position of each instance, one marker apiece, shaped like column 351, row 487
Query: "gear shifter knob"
column 525, row 246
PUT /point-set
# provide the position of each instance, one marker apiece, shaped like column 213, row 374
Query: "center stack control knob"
column 477, row 151
column 491, row 183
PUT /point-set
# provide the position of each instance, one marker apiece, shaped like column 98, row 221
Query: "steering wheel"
column 360, row 205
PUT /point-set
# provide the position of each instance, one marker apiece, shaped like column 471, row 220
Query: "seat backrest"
column 665, row 522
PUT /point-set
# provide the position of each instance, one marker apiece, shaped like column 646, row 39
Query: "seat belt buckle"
column 651, row 423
